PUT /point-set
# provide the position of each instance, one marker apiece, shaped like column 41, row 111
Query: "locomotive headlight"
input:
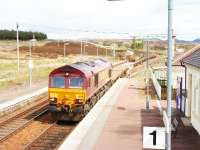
column 79, row 96
column 53, row 99
column 53, row 95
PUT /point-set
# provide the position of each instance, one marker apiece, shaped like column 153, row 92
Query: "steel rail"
column 14, row 124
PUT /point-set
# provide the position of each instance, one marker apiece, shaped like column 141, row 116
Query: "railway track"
column 20, row 120
column 52, row 137
column 35, row 128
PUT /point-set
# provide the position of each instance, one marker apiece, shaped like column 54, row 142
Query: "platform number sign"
column 154, row 137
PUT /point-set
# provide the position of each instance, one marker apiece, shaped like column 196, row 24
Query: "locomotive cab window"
column 75, row 82
column 58, row 82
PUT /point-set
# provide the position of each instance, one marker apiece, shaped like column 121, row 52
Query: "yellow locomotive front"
column 66, row 93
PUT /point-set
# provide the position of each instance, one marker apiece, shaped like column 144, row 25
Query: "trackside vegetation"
column 137, row 44
column 23, row 35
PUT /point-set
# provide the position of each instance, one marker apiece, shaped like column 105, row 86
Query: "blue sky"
column 100, row 18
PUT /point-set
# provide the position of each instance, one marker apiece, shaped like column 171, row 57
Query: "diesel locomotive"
column 74, row 89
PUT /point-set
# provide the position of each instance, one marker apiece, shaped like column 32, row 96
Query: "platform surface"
column 12, row 102
column 124, row 126
column 116, row 122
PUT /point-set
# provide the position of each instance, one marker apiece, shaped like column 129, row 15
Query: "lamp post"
column 30, row 63
column 81, row 48
column 113, row 48
column 97, row 51
column 64, row 50
column 147, row 74
column 58, row 43
column 85, row 45
column 107, row 48
column 17, row 27
column 169, row 71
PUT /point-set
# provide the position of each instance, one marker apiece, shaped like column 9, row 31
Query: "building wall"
column 161, row 73
column 193, row 96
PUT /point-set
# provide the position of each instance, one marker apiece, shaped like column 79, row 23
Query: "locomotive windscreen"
column 58, row 82
column 75, row 82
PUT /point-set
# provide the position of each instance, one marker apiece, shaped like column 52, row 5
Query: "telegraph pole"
column 147, row 74
column 17, row 27
column 84, row 48
column 169, row 72
column 97, row 51
column 113, row 49
column 85, row 43
column 30, row 64
column 81, row 49
column 64, row 50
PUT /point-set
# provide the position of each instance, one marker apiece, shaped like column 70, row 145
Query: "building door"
column 180, row 96
column 190, row 94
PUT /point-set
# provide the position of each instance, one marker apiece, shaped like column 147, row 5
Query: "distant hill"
column 183, row 41
column 197, row 41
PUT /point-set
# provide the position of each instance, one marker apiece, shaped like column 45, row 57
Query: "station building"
column 191, row 62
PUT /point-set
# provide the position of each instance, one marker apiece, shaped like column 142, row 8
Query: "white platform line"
column 159, row 106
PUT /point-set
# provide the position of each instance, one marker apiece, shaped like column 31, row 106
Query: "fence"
column 155, row 83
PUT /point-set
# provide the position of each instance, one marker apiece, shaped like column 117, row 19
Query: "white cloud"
column 58, row 16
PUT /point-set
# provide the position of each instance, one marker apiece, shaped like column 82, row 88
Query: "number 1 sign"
column 154, row 137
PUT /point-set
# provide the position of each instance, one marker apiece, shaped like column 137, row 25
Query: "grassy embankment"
column 9, row 75
column 42, row 61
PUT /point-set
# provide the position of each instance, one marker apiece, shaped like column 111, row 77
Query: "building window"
column 198, row 97
column 96, row 78
column 110, row 72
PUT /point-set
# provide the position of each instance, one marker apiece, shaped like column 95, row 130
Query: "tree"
column 23, row 35
column 137, row 44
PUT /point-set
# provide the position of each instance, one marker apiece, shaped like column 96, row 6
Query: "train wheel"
column 86, row 109
column 92, row 102
column 97, row 97
column 106, row 88
column 54, row 116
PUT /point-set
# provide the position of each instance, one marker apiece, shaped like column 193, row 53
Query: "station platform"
column 116, row 122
